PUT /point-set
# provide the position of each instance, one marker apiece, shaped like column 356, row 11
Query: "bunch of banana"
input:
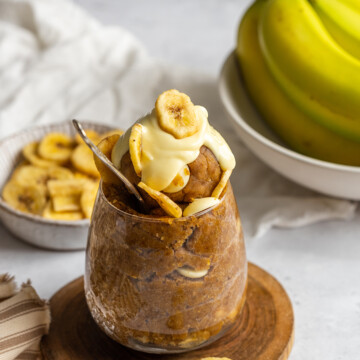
column 300, row 61
column 58, row 178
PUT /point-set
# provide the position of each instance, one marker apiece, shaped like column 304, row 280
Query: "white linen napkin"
column 58, row 63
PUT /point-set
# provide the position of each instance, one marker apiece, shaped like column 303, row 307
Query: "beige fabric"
column 24, row 319
column 7, row 286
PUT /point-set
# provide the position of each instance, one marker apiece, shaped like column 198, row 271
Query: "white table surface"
column 319, row 265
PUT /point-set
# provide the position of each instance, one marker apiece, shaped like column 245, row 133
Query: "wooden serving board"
column 264, row 331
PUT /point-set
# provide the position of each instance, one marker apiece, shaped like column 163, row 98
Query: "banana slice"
column 110, row 133
column 222, row 183
column 31, row 175
column 57, row 147
column 176, row 114
column 30, row 152
column 191, row 273
column 80, row 175
column 105, row 146
column 38, row 177
column 26, row 198
column 49, row 213
column 59, row 173
column 66, row 203
column 66, row 187
column 201, row 204
column 88, row 197
column 169, row 206
column 91, row 134
column 18, row 168
column 83, row 160
column 135, row 148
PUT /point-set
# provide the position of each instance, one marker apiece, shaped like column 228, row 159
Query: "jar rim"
column 161, row 219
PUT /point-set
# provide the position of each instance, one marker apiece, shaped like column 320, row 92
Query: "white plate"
column 45, row 233
column 325, row 177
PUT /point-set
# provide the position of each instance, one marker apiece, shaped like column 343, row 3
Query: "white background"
column 194, row 33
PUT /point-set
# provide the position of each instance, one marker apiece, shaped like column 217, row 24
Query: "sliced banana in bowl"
column 27, row 198
column 35, row 168
column 56, row 147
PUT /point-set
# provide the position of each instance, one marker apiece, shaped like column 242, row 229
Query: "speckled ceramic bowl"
column 45, row 233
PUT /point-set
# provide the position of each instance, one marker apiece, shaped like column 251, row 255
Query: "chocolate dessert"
column 172, row 277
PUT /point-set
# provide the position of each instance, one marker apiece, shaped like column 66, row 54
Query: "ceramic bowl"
column 327, row 178
column 44, row 233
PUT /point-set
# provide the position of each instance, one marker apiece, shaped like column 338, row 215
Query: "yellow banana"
column 317, row 74
column 342, row 20
column 293, row 126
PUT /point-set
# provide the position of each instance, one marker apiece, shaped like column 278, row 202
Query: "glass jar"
column 165, row 285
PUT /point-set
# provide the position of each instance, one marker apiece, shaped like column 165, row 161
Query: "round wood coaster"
column 264, row 331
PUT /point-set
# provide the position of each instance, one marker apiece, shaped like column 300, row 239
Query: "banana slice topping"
column 169, row 206
column 135, row 148
column 176, row 114
column 199, row 205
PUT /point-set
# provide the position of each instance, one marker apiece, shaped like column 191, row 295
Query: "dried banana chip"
column 26, row 198
column 17, row 169
column 88, row 197
column 91, row 134
column 31, row 175
column 83, row 160
column 30, row 152
column 66, row 203
column 66, row 187
column 81, row 175
column 135, row 148
column 110, row 133
column 176, row 114
column 49, row 213
column 56, row 146
column 169, row 206
column 222, row 183
column 59, row 173
column 38, row 177
column 105, row 146
column 20, row 166
column 72, row 187
column 191, row 273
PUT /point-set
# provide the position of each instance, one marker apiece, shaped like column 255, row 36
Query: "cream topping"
column 179, row 181
column 216, row 143
column 199, row 205
column 163, row 157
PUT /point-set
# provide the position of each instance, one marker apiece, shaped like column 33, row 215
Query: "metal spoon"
column 131, row 188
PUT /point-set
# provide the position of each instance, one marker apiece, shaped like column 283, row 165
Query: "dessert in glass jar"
column 171, row 277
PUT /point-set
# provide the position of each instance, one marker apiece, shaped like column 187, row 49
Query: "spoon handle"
column 131, row 188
